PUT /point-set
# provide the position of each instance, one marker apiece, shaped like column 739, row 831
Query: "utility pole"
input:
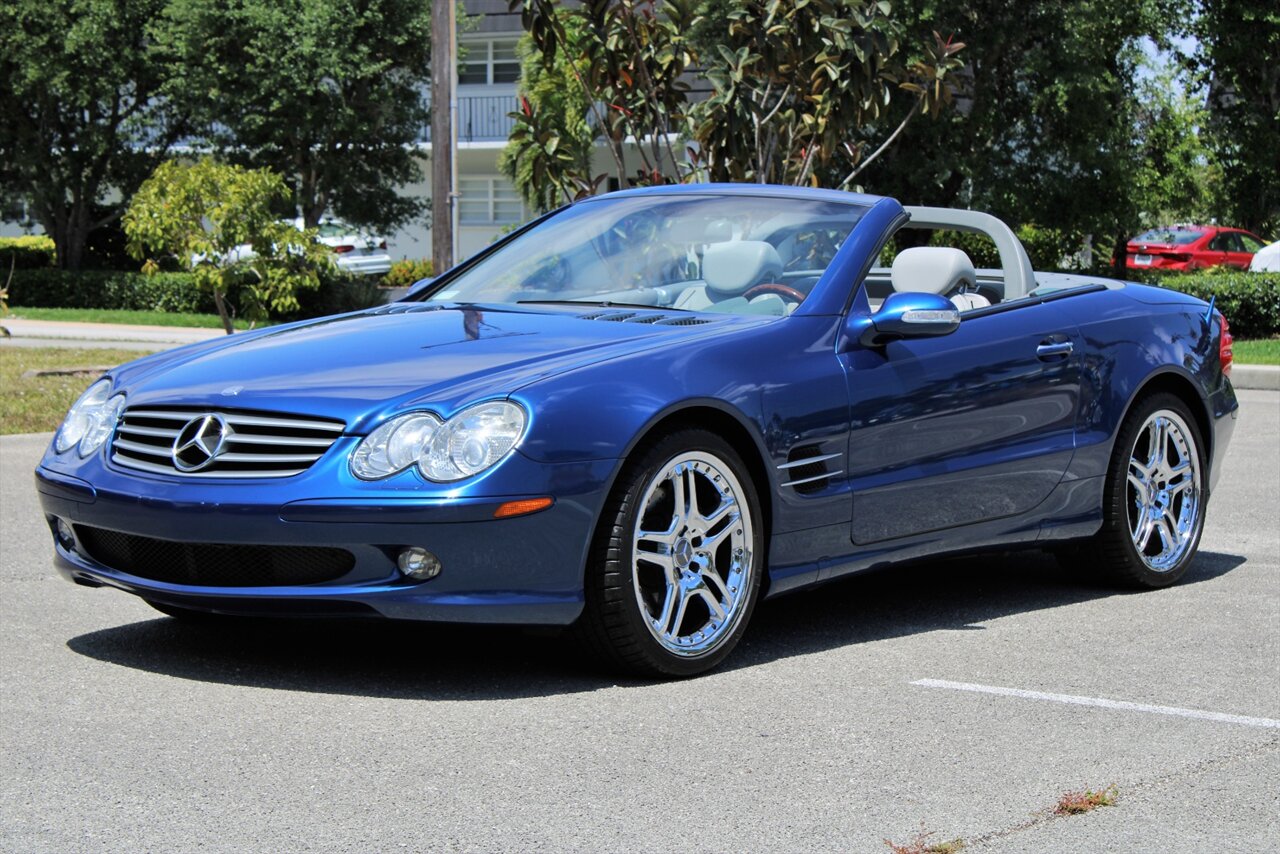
column 443, row 140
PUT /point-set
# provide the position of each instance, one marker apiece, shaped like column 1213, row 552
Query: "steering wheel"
column 784, row 291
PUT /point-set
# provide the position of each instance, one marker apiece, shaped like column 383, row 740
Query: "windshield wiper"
column 605, row 303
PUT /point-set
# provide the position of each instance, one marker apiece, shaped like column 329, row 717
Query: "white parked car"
column 1266, row 259
column 358, row 253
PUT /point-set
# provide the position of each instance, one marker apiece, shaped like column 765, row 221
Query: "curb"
column 1265, row 377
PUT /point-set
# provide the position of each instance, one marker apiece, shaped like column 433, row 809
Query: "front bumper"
column 519, row 570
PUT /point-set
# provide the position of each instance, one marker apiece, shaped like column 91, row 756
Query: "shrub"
column 31, row 252
column 1249, row 301
column 339, row 292
column 404, row 273
column 201, row 213
column 108, row 289
column 1048, row 248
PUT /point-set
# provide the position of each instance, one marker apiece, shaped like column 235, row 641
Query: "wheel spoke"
column 688, row 492
column 727, row 505
column 673, row 628
column 713, row 604
column 1159, row 443
column 713, row 541
column 1144, row 494
column 663, row 621
column 1167, row 539
column 711, row 576
column 1142, row 532
column 660, row 538
column 660, row 559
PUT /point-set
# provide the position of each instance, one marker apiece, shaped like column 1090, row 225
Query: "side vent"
column 612, row 316
column 652, row 319
column 683, row 321
column 808, row 470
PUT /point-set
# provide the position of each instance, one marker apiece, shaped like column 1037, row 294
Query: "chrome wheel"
column 692, row 562
column 1164, row 495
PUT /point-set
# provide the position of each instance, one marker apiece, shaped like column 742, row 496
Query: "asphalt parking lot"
column 962, row 698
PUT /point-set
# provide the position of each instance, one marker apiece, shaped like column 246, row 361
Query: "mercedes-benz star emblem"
column 199, row 442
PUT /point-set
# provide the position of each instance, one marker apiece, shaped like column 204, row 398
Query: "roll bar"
column 1019, row 277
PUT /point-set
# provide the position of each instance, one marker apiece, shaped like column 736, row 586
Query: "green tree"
column 1239, row 58
column 793, row 82
column 551, row 142
column 329, row 95
column 1045, row 125
column 789, row 84
column 1174, row 181
column 203, row 214
column 627, row 60
column 81, row 112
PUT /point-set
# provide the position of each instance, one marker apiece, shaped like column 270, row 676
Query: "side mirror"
column 910, row 315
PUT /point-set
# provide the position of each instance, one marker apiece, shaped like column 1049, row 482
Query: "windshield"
column 728, row 253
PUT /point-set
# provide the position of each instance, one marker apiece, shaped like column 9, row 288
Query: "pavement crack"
column 1047, row 815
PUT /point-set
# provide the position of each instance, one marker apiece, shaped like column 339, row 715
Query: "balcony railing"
column 481, row 118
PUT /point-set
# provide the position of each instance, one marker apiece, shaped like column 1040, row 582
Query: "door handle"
column 1049, row 349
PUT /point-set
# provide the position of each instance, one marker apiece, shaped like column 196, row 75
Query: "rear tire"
column 675, row 571
column 1154, row 499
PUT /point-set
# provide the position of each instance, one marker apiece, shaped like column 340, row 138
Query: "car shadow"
column 445, row 662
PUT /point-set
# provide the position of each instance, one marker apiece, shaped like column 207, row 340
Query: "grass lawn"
column 1259, row 351
column 37, row 404
column 111, row 315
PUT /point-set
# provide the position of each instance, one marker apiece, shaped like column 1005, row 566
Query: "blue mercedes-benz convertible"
column 642, row 413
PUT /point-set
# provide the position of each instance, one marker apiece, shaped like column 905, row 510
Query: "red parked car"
column 1192, row 247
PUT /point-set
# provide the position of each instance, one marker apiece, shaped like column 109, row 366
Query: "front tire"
column 675, row 571
column 1154, row 503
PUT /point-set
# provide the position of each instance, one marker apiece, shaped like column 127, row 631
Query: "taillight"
column 341, row 249
column 382, row 245
column 1224, row 347
column 1178, row 256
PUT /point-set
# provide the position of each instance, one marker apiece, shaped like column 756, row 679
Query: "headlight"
column 90, row 420
column 467, row 444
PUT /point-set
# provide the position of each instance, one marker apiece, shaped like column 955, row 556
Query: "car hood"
column 360, row 367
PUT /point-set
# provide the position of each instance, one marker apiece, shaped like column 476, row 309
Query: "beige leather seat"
column 938, row 270
column 731, row 269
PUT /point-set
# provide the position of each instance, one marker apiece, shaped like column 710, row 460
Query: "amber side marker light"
column 523, row 507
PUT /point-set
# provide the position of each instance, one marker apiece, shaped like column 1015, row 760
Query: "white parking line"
column 1220, row 717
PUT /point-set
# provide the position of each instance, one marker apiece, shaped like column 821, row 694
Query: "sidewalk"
column 58, row 333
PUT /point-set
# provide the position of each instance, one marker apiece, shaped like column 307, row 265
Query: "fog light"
column 419, row 564
column 66, row 537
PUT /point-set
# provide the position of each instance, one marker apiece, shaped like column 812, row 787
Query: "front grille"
column 213, row 564
column 256, row 444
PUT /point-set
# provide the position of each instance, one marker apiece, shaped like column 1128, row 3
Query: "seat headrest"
column 731, row 268
column 932, row 269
